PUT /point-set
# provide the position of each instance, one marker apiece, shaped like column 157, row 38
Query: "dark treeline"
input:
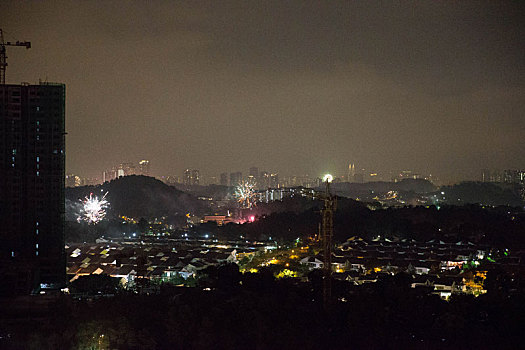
column 484, row 193
column 500, row 226
column 254, row 311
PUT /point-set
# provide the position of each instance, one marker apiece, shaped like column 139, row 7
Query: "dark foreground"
column 266, row 314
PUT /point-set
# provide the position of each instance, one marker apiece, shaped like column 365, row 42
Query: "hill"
column 137, row 196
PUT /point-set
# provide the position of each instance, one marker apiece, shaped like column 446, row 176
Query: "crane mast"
column 326, row 233
column 3, row 56
column 330, row 204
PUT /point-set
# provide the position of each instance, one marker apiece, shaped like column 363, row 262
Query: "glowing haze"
column 292, row 87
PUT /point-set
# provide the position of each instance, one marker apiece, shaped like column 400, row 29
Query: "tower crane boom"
column 3, row 57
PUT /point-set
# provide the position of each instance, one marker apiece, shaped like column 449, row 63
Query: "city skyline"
column 300, row 88
column 263, row 178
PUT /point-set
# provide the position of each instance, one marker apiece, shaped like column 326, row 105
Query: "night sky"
column 290, row 87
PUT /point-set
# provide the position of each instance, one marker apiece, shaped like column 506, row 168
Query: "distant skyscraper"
column 195, row 177
column 186, row 178
column 264, row 180
column 351, row 173
column 513, row 176
column 274, row 180
column 224, row 179
column 109, row 175
column 144, row 167
column 485, row 175
column 32, row 157
column 73, row 181
column 253, row 175
column 126, row 169
column 235, row 178
column 191, row 177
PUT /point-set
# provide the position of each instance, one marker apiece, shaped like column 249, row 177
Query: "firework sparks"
column 245, row 193
column 93, row 209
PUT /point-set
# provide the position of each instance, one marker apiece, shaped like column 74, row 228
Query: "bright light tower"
column 328, row 178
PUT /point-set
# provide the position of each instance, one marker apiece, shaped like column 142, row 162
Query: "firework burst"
column 93, row 209
column 245, row 194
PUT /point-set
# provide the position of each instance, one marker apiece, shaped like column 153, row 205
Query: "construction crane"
column 327, row 231
column 3, row 57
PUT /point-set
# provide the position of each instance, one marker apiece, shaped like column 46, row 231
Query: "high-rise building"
column 144, row 167
column 195, row 177
column 513, row 176
column 264, row 180
column 191, row 177
column 351, row 173
column 73, row 180
column 32, row 157
column 274, row 180
column 235, row 178
column 485, row 175
column 126, row 169
column 109, row 175
column 224, row 179
column 253, row 175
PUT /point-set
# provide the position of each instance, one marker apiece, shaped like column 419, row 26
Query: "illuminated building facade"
column 32, row 176
column 191, row 177
column 144, row 167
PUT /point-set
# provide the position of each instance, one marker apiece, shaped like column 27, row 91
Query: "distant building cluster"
column 264, row 180
column 123, row 169
column 126, row 169
column 510, row 176
column 191, row 177
column 261, row 179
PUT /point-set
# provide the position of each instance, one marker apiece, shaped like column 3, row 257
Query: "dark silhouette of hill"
column 139, row 196
column 484, row 193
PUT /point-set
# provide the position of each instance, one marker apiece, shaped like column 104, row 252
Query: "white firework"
column 93, row 209
column 245, row 194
